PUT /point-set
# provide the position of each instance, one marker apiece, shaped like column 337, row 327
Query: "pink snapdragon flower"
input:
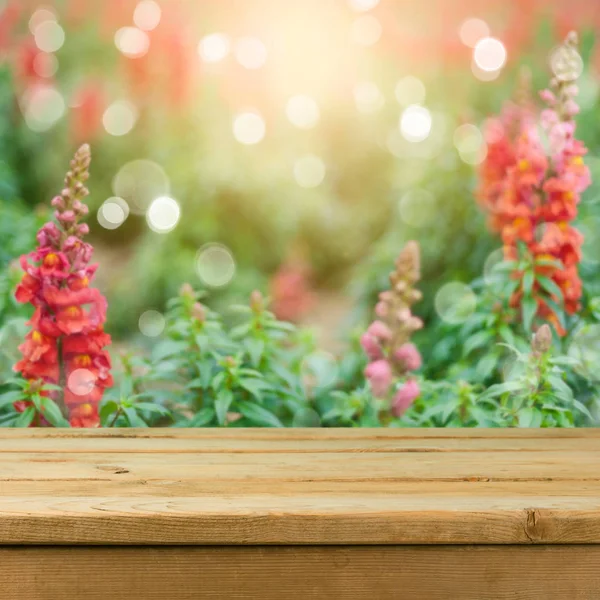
column 379, row 374
column 404, row 397
column 408, row 356
column 386, row 341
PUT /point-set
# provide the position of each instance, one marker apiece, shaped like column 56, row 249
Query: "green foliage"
column 255, row 373
column 36, row 405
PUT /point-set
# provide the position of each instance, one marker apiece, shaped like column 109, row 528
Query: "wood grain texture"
column 311, row 573
column 299, row 486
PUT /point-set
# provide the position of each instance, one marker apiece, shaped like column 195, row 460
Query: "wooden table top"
column 299, row 486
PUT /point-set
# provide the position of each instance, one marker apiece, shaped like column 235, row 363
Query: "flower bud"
column 257, row 302
column 371, row 347
column 381, row 309
column 379, row 374
column 186, row 291
column 408, row 356
column 58, row 202
column 67, row 216
column 199, row 312
column 404, row 397
column 542, row 339
column 379, row 331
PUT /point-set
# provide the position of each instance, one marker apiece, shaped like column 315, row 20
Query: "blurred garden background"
column 291, row 147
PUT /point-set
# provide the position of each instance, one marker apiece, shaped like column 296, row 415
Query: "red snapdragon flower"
column 531, row 189
column 66, row 344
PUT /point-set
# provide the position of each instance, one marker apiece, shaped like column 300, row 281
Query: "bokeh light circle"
column 302, row 111
column 163, row 214
column 490, row 275
column 455, row 302
column 566, row 63
column 590, row 228
column 49, row 36
column 250, row 52
column 45, row 65
column 120, row 117
column 43, row 106
column 368, row 97
column 366, row 30
column 415, row 123
column 81, row 382
column 151, row 323
column 472, row 31
column 363, row 5
column 319, row 369
column 215, row 265
column 467, row 138
column 132, row 42
column 309, row 171
column 417, row 208
column 139, row 182
column 214, row 47
column 41, row 15
column 474, row 157
column 489, row 54
column 410, row 90
column 585, row 348
column 113, row 212
column 249, row 128
column 147, row 15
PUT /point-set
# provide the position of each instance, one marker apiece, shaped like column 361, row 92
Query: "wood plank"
column 116, row 487
column 311, row 573
column 257, row 433
column 266, row 445
column 296, row 520
column 512, row 466
column 95, row 490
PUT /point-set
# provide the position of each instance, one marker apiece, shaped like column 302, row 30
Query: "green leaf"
column 528, row 279
column 477, row 341
column 107, row 409
column 560, row 388
column 529, row 308
column 566, row 361
column 22, row 383
column 583, row 409
column 558, row 311
column 203, row 417
column 255, row 386
column 11, row 397
column 222, row 404
column 258, row 414
column 507, row 266
column 549, row 262
column 550, row 286
column 485, row 367
column 501, row 388
column 52, row 388
column 52, row 413
column 133, row 418
column 506, row 334
column 256, row 348
column 218, row 380
column 153, row 408
column 167, row 348
column 529, row 417
column 9, row 419
column 25, row 418
column 240, row 331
